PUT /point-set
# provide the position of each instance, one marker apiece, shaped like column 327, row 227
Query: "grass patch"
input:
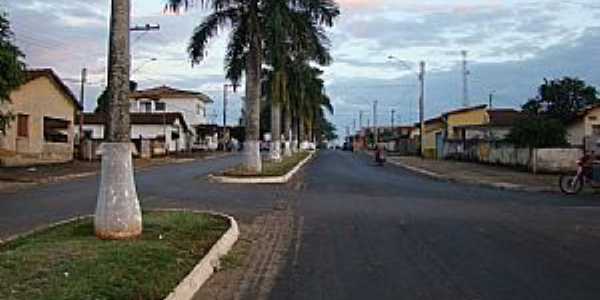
column 271, row 168
column 69, row 262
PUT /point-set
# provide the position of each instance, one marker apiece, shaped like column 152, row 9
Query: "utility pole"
column 465, row 72
column 360, row 118
column 422, row 104
column 375, row 122
column 491, row 100
column 144, row 29
column 392, row 120
column 81, row 114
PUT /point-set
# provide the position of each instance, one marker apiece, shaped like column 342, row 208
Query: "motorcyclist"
column 380, row 153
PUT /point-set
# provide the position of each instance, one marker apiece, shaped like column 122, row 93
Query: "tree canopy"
column 12, row 66
column 558, row 102
column 102, row 101
column 562, row 99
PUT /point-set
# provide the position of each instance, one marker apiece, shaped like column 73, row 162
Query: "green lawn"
column 68, row 262
column 271, row 168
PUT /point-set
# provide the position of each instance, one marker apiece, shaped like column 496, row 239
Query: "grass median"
column 271, row 168
column 69, row 262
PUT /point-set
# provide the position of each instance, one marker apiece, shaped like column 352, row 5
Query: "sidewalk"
column 487, row 175
column 22, row 177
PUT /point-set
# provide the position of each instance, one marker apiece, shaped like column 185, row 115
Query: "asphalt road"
column 367, row 232
column 170, row 186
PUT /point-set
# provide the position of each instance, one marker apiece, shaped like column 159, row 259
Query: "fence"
column 547, row 160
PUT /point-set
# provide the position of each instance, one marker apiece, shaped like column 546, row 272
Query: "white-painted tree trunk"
column 118, row 214
column 275, row 151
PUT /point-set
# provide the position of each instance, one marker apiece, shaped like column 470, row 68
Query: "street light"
column 153, row 59
column 421, row 75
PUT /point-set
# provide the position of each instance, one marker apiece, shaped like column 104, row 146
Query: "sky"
column 512, row 46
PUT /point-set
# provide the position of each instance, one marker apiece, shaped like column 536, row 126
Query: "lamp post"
column 421, row 77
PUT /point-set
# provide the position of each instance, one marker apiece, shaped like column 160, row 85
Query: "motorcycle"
column 380, row 157
column 586, row 174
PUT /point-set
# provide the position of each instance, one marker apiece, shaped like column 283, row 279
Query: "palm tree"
column 118, row 214
column 244, row 55
column 248, row 20
column 293, row 30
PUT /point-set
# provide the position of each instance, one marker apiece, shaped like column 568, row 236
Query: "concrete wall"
column 38, row 98
column 147, row 132
column 536, row 160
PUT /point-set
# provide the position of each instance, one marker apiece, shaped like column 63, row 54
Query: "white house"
column 192, row 105
column 168, row 129
column 584, row 130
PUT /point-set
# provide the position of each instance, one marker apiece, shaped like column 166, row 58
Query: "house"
column 457, row 120
column 168, row 131
column 191, row 105
column 584, row 130
column 496, row 126
column 42, row 130
column 433, row 137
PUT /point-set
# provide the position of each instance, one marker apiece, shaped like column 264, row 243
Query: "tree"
column 562, row 99
column 245, row 51
column 538, row 132
column 13, row 69
column 118, row 214
column 244, row 55
column 292, row 30
column 102, row 101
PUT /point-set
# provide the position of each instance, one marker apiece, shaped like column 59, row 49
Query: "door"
column 439, row 145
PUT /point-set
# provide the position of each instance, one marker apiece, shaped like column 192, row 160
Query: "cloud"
column 512, row 45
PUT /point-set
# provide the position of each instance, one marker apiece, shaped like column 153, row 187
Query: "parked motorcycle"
column 588, row 173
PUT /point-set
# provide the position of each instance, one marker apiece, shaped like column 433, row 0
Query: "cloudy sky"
column 512, row 45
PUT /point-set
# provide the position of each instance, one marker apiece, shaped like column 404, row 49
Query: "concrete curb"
column 497, row 185
column 190, row 285
column 263, row 180
column 42, row 228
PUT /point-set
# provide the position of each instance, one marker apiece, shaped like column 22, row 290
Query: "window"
column 146, row 106
column 22, row 125
column 596, row 130
column 198, row 109
column 160, row 106
column 56, row 130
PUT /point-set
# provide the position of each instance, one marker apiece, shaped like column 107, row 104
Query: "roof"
column 166, row 92
column 139, row 119
column 465, row 109
column 504, row 117
column 34, row 74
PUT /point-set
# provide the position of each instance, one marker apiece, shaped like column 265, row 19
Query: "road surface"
column 346, row 229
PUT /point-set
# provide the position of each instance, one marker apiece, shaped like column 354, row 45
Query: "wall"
column 429, row 139
column 576, row 133
column 536, row 160
column 38, row 98
column 147, row 132
column 473, row 117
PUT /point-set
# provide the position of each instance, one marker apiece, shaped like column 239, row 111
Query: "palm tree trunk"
column 252, row 160
column 287, row 128
column 276, row 130
column 295, row 131
column 118, row 214
column 302, row 133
